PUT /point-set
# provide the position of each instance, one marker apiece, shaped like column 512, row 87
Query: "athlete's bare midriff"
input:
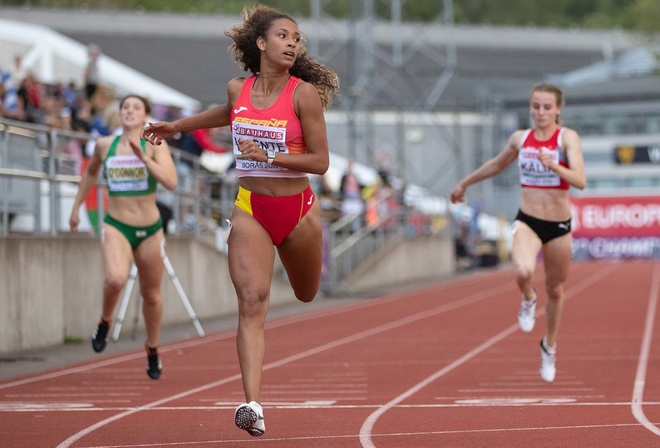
column 546, row 204
column 274, row 186
column 138, row 211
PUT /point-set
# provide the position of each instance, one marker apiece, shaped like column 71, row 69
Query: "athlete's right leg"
column 526, row 245
column 524, row 252
column 251, row 256
column 117, row 260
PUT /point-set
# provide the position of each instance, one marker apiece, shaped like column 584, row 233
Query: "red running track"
column 441, row 366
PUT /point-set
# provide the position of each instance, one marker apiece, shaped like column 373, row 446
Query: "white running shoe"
column 527, row 315
column 548, row 369
column 250, row 417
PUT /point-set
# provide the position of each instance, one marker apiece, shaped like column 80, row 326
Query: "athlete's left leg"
column 301, row 254
column 149, row 261
column 556, row 260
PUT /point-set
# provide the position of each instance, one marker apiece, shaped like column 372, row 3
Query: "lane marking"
column 325, row 438
column 506, row 401
column 110, row 362
column 368, row 425
column 230, row 333
column 640, row 377
column 278, row 323
column 426, row 314
column 42, row 407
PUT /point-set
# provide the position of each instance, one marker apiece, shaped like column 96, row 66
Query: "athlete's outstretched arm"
column 489, row 168
column 156, row 133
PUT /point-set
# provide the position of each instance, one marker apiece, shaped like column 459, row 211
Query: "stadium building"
column 425, row 102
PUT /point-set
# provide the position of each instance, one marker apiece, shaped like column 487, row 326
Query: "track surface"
column 440, row 366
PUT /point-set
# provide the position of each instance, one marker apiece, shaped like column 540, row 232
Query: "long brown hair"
column 256, row 23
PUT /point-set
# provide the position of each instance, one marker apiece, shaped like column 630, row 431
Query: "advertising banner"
column 616, row 227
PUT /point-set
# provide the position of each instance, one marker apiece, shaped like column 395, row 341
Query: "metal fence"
column 39, row 176
column 40, row 171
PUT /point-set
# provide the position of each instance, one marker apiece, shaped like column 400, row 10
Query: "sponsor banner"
column 616, row 227
column 633, row 216
column 626, row 155
column 616, row 248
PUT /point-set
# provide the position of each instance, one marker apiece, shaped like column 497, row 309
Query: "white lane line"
column 640, row 377
column 492, row 402
column 331, row 345
column 368, row 425
column 102, row 423
column 326, row 438
column 225, row 334
column 281, row 322
column 526, row 389
column 113, row 361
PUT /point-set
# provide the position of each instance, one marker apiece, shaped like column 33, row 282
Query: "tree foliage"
column 640, row 15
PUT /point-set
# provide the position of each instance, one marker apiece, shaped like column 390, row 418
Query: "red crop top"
column 275, row 127
column 532, row 172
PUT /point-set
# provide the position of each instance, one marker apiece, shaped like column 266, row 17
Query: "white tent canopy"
column 54, row 58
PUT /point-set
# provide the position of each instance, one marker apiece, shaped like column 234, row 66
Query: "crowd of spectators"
column 371, row 204
column 23, row 97
column 89, row 107
column 64, row 106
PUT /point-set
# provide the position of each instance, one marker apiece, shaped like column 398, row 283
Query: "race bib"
column 532, row 171
column 126, row 173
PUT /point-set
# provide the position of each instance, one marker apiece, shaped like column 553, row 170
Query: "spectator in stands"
column 74, row 150
column 58, row 105
column 92, row 75
column 381, row 203
column 56, row 114
column 550, row 161
column 388, row 203
column 81, row 111
column 68, row 94
column 194, row 143
column 350, row 193
column 328, row 200
column 30, row 96
column 132, row 230
column 280, row 137
column 199, row 140
column 462, row 250
column 10, row 106
column 18, row 71
column 104, row 112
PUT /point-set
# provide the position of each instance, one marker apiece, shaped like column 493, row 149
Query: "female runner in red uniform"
column 549, row 162
column 279, row 136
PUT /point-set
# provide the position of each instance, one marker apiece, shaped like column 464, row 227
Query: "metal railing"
column 355, row 238
column 35, row 168
column 39, row 179
column 28, row 163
